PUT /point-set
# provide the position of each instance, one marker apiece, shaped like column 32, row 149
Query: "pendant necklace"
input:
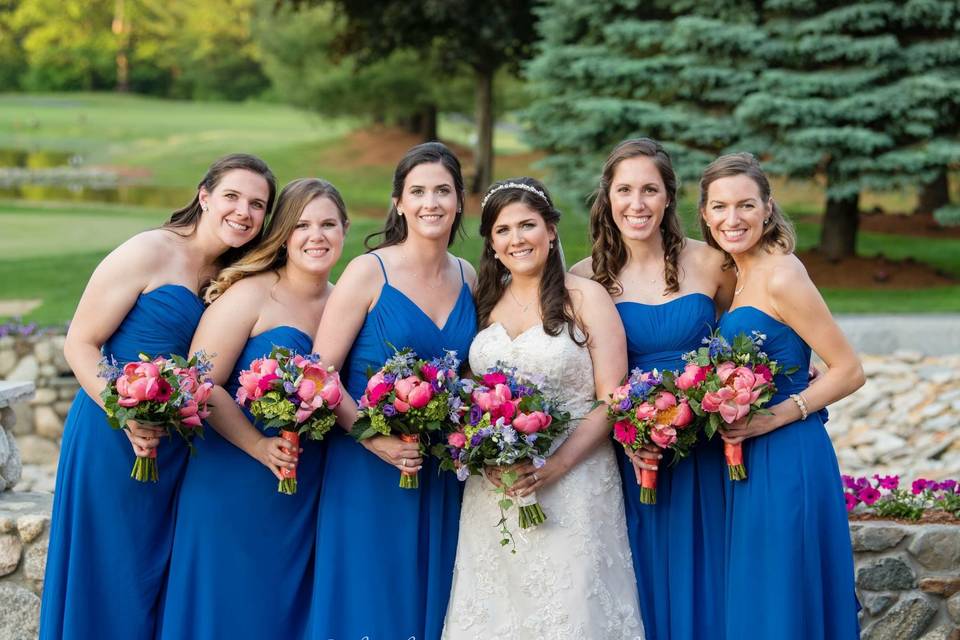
column 737, row 291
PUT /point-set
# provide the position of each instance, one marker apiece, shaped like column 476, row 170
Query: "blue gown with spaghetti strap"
column 242, row 560
column 384, row 554
column 110, row 536
column 789, row 559
column 677, row 543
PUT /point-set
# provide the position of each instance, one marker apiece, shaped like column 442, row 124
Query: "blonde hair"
column 777, row 230
column 270, row 254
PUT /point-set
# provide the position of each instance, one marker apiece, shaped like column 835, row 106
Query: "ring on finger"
column 403, row 462
column 535, row 478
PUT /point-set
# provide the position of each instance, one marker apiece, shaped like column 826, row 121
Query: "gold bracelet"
column 801, row 404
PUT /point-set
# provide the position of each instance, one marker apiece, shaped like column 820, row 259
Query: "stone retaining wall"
column 24, row 532
column 908, row 580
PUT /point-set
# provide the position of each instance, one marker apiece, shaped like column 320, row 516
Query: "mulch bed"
column 917, row 224
column 875, row 272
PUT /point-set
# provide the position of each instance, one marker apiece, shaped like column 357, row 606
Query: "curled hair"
column 395, row 228
column 270, row 254
column 556, row 307
column 777, row 233
column 609, row 253
column 184, row 221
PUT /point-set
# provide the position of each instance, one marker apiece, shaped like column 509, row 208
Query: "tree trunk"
column 934, row 195
column 484, row 117
column 428, row 123
column 838, row 235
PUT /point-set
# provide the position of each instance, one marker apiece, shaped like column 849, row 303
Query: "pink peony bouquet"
column 725, row 383
column 171, row 393
column 645, row 410
column 507, row 421
column 411, row 398
column 293, row 393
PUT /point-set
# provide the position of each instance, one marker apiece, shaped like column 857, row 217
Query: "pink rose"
column 250, row 386
column 625, row 432
column 646, row 411
column 692, row 376
column 189, row 414
column 494, row 378
column 724, row 369
column 665, row 400
column 457, row 439
column 375, row 379
column 139, row 383
column 531, row 422
column 401, row 406
column 711, row 402
column 663, row 437
column 421, row 395
column 621, row 393
column 202, row 394
column 405, row 385
column 684, row 415
column 730, row 411
column 332, row 393
column 265, row 366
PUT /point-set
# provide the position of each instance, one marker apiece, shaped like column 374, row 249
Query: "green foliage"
column 948, row 216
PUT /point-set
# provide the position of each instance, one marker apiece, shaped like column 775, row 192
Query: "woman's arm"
column 608, row 348
column 355, row 294
column 796, row 300
column 222, row 333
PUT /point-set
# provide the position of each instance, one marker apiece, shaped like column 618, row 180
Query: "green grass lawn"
column 49, row 249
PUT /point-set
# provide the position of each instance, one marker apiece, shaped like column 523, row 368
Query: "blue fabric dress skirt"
column 384, row 562
column 110, row 536
column 789, row 559
column 677, row 543
column 242, row 560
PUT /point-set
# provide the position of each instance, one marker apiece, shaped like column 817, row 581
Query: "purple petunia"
column 851, row 501
column 869, row 495
column 919, row 486
column 389, row 410
column 887, row 482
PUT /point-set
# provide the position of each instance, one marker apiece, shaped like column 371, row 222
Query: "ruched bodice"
column 95, row 587
column 658, row 334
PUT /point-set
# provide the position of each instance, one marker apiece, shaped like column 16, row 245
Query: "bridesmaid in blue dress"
column 235, row 534
column 384, row 560
column 110, row 535
column 789, row 560
column 668, row 290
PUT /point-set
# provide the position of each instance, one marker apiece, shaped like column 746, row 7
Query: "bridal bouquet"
column 293, row 393
column 736, row 382
column 170, row 393
column 646, row 410
column 508, row 421
column 411, row 398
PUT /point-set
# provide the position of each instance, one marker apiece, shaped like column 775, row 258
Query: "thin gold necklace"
column 523, row 307
column 737, row 291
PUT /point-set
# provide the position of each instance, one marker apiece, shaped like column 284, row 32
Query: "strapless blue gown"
column 242, row 560
column 677, row 543
column 110, row 536
column 789, row 559
column 384, row 554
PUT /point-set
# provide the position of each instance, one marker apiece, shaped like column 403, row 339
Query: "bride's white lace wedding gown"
column 571, row 577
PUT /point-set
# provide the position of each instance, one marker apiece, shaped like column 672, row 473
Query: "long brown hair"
column 778, row 232
column 395, row 228
column 556, row 307
column 609, row 253
column 184, row 221
column 270, row 254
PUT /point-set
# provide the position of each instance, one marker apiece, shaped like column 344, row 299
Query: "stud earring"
column 399, row 211
column 496, row 256
column 551, row 245
column 767, row 221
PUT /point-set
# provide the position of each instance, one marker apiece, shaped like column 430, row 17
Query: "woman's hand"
column 143, row 438
column 405, row 456
column 742, row 429
column 275, row 454
column 529, row 478
column 648, row 458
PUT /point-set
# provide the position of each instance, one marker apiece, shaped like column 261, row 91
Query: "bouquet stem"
column 145, row 468
column 531, row 514
column 409, row 479
column 648, row 486
column 288, row 477
column 734, row 455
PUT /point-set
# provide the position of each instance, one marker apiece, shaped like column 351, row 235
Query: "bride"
column 572, row 576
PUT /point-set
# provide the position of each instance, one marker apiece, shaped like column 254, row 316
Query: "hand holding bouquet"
column 411, row 398
column 732, row 382
column 646, row 410
column 168, row 393
column 508, row 421
column 293, row 393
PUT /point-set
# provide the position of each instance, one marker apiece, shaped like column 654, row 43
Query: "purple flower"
column 624, row 404
column 919, row 486
column 851, row 501
column 849, row 482
column 950, row 486
column 389, row 378
column 530, row 438
column 476, row 413
column 888, row 482
column 538, row 462
column 389, row 410
column 869, row 495
column 476, row 439
column 463, row 473
column 289, row 387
